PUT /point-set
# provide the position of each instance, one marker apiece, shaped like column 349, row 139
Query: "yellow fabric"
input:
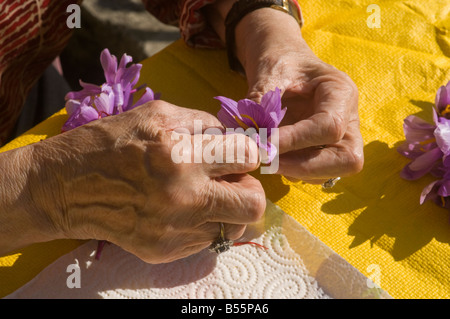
column 372, row 219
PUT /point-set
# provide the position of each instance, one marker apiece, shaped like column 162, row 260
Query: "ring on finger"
column 331, row 182
column 221, row 244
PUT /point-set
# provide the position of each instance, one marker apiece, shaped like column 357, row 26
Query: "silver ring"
column 221, row 244
column 331, row 182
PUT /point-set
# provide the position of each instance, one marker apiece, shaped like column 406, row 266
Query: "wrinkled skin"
column 319, row 136
column 114, row 179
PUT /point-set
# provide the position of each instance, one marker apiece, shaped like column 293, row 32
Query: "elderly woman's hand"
column 115, row 179
column 319, row 137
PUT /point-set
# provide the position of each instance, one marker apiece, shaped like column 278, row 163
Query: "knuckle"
column 355, row 162
column 251, row 153
column 257, row 206
column 242, row 151
column 157, row 105
column 336, row 127
column 348, row 86
column 235, row 232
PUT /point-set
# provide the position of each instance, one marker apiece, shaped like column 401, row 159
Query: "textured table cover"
column 373, row 219
column 293, row 264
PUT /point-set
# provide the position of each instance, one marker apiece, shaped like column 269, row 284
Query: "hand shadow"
column 382, row 204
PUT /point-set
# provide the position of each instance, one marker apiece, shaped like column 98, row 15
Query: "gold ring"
column 331, row 182
column 221, row 244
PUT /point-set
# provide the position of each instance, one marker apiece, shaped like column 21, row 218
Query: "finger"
column 209, row 232
column 184, row 252
column 236, row 199
column 174, row 117
column 327, row 125
column 186, row 244
column 307, row 181
column 315, row 181
column 229, row 154
column 341, row 159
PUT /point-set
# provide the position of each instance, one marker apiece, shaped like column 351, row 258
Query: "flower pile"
column 113, row 97
column 428, row 146
column 247, row 114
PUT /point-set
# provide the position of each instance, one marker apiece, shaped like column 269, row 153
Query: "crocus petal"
column 228, row 112
column 421, row 165
column 408, row 150
column 409, row 174
column 277, row 117
column 429, row 192
column 72, row 106
column 426, row 160
column 246, row 113
column 119, row 98
column 442, row 134
column 417, row 129
column 146, row 97
column 105, row 104
column 226, row 119
column 442, row 97
column 270, row 152
column 109, row 64
column 419, row 136
column 124, row 61
column 271, row 101
column 130, row 75
column 252, row 114
column 444, row 188
column 88, row 89
column 228, row 105
column 84, row 114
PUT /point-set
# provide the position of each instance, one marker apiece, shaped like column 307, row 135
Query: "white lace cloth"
column 295, row 265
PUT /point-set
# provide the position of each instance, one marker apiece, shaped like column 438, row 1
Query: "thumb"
column 229, row 154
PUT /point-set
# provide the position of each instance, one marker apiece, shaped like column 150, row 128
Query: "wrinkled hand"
column 114, row 179
column 319, row 137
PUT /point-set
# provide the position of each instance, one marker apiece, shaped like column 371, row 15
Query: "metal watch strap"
column 239, row 9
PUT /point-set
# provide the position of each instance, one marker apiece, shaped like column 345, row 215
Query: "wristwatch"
column 243, row 7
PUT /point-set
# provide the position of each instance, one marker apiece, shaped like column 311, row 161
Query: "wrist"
column 260, row 29
column 264, row 37
column 21, row 221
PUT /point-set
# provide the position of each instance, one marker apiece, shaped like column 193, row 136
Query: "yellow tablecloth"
column 372, row 219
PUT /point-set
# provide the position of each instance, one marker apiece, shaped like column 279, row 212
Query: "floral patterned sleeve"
column 187, row 15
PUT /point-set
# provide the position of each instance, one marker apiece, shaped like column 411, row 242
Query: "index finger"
column 233, row 154
column 237, row 199
column 332, row 103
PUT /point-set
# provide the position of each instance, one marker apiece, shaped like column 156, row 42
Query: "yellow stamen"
column 446, row 110
column 443, row 201
column 243, row 125
column 431, row 140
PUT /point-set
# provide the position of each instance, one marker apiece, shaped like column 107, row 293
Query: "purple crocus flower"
column 438, row 192
column 247, row 114
column 80, row 113
column 428, row 145
column 421, row 147
column 113, row 97
column 442, row 101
